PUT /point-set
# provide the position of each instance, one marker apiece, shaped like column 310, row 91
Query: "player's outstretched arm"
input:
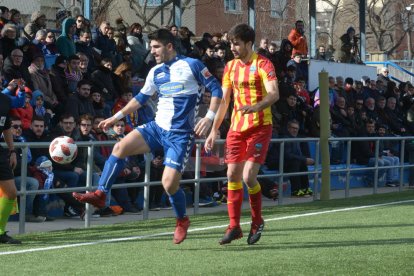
column 271, row 97
column 219, row 117
column 132, row 105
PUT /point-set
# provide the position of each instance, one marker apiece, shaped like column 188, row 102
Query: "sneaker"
column 132, row 210
column 71, row 212
column 33, row 218
column 308, row 192
column 231, row 234
column 4, row 238
column 181, row 228
column 299, row 193
column 107, row 212
column 96, row 198
column 255, row 232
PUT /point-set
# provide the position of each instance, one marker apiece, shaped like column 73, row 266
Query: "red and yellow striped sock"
column 255, row 199
column 234, row 202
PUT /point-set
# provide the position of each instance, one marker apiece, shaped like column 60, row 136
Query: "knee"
column 169, row 185
column 232, row 176
column 119, row 150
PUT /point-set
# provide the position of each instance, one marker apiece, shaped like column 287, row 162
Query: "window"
column 232, row 5
column 278, row 8
column 150, row 3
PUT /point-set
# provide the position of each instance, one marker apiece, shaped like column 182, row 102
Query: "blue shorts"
column 177, row 146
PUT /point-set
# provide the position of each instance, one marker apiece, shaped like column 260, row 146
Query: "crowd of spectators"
column 65, row 83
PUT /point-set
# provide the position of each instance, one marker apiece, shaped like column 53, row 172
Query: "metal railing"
column 279, row 174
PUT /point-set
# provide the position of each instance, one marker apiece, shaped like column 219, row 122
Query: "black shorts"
column 6, row 172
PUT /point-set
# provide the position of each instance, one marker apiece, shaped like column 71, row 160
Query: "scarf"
column 40, row 111
column 48, row 182
column 72, row 75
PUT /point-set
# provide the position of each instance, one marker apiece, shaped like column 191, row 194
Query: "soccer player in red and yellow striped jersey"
column 251, row 79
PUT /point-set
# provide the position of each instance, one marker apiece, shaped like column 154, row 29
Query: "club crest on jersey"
column 161, row 75
column 252, row 68
column 171, row 88
column 206, row 74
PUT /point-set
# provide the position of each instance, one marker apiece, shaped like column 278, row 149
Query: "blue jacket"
column 17, row 101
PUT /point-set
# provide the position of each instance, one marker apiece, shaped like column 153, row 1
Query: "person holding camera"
column 347, row 48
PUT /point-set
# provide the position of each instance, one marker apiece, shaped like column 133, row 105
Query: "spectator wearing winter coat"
column 80, row 102
column 8, row 39
column 41, row 80
column 102, row 78
column 102, row 41
column 137, row 45
column 282, row 57
column 25, row 113
column 64, row 43
column 85, row 46
column 15, row 69
column 17, row 99
column 298, row 40
column 58, row 80
column 37, row 22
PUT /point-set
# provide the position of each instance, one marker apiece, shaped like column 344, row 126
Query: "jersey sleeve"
column 204, row 77
column 148, row 90
column 226, row 82
column 267, row 70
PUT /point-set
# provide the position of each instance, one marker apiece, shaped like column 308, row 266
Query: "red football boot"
column 181, row 228
column 96, row 198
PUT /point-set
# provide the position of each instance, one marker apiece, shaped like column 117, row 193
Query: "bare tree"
column 385, row 18
column 147, row 16
column 100, row 10
column 334, row 4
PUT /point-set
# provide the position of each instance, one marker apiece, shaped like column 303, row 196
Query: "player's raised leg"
column 171, row 182
column 234, row 202
column 132, row 144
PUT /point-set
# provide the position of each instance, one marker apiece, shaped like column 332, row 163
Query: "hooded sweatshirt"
column 65, row 43
column 31, row 29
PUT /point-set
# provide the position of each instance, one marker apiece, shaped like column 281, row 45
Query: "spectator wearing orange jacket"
column 298, row 39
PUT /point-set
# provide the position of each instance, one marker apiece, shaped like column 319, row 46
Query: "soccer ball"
column 63, row 150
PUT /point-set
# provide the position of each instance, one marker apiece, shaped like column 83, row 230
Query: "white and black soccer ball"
column 63, row 150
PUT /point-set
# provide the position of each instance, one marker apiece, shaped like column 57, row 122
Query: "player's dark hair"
column 164, row 36
column 243, row 32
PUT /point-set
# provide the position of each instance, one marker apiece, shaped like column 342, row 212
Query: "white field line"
column 198, row 229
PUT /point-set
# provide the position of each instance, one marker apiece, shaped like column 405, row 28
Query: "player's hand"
column 13, row 160
column 202, row 126
column 106, row 124
column 211, row 139
column 247, row 109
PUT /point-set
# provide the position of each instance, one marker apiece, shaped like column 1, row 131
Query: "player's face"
column 161, row 53
column 240, row 48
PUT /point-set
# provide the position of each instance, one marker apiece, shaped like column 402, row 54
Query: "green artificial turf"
column 370, row 241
